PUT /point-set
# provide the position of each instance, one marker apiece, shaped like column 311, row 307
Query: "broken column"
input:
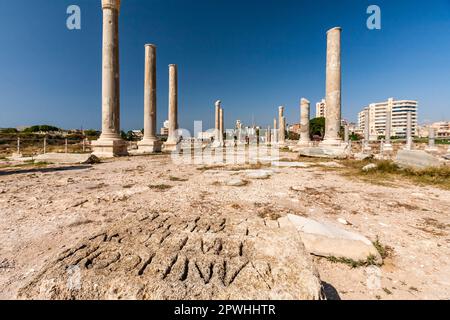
column 305, row 139
column 275, row 131
column 333, row 88
column 150, row 142
column 408, row 131
column 110, row 143
column 431, row 140
column 387, row 146
column 172, row 140
column 268, row 136
column 346, row 134
column 282, row 126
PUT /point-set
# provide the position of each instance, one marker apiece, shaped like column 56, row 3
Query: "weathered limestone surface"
column 67, row 158
column 172, row 140
column 332, row 152
column 150, row 142
column 327, row 240
column 305, row 139
column 217, row 120
column 333, row 88
column 418, row 159
column 110, row 143
column 163, row 257
column 409, row 142
column 431, row 141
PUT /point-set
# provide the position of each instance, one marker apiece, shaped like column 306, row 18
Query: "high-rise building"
column 377, row 117
column 321, row 109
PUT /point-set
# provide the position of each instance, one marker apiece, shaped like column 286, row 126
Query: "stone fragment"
column 67, row 158
column 417, row 159
column 258, row 174
column 236, row 183
column 371, row 166
column 327, row 240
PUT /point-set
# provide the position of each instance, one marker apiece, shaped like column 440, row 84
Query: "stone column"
column 305, row 139
column 269, row 136
column 217, row 121
column 110, row 143
column 366, row 146
column 150, row 142
column 172, row 140
column 408, row 131
column 346, row 134
column 387, row 146
column 431, row 140
column 333, row 88
column 221, row 125
column 281, row 133
column 275, row 131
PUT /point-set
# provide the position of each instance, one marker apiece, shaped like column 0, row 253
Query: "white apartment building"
column 321, row 109
column 377, row 117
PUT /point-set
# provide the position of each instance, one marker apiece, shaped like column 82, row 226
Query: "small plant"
column 160, row 187
column 384, row 251
column 176, row 179
column 370, row 261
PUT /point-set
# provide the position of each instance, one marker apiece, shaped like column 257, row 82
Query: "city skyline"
column 223, row 56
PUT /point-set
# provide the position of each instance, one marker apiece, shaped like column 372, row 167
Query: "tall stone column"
column 408, row 131
column 172, row 140
column 305, row 139
column 387, row 146
column 217, row 120
column 333, row 88
column 282, row 126
column 275, row 131
column 268, row 136
column 150, row 142
column 221, row 125
column 366, row 146
column 110, row 143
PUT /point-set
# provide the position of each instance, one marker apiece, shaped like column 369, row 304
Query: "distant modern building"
column 321, row 109
column 294, row 128
column 377, row 117
column 441, row 130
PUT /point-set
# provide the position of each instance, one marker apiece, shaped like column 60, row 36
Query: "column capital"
column 305, row 101
column 111, row 4
column 150, row 45
column 339, row 29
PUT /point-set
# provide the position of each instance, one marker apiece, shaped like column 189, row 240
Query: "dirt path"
column 45, row 211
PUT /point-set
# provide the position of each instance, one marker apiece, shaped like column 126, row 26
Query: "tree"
column 317, row 127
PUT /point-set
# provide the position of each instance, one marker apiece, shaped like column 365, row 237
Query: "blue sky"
column 254, row 55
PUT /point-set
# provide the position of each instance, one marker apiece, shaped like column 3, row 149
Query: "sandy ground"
column 44, row 211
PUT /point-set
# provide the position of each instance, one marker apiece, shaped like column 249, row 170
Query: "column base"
column 109, row 148
column 331, row 142
column 149, row 146
column 169, row 146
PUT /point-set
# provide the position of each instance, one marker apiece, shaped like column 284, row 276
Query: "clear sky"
column 254, row 55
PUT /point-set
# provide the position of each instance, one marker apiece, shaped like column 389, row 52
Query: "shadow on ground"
column 330, row 291
column 42, row 170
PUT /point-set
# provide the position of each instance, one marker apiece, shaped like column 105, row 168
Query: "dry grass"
column 176, row 179
column 389, row 174
column 160, row 187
